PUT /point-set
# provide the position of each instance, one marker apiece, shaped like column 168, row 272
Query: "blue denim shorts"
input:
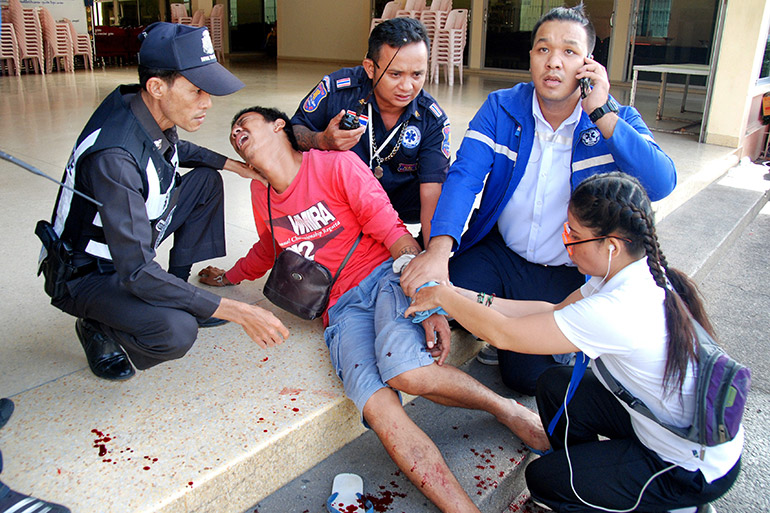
column 369, row 339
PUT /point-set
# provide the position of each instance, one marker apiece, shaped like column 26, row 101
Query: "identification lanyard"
column 581, row 362
column 374, row 155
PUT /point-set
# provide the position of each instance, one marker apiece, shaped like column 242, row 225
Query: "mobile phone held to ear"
column 585, row 83
column 585, row 87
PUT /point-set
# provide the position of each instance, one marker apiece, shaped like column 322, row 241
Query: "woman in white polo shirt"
column 641, row 329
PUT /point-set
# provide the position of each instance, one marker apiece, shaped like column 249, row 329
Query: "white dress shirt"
column 532, row 221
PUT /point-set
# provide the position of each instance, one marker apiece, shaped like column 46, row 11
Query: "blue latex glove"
column 421, row 316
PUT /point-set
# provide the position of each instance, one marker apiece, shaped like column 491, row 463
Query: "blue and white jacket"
column 497, row 146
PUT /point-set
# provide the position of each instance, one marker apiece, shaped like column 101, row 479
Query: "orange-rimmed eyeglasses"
column 568, row 243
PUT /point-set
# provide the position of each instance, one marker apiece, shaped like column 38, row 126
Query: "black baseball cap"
column 188, row 50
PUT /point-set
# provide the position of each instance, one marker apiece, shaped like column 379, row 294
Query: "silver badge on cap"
column 208, row 47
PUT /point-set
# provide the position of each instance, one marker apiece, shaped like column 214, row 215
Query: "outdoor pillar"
column 619, row 41
column 735, row 82
column 476, row 34
column 206, row 5
column 334, row 31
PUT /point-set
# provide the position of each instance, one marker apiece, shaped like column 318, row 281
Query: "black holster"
column 56, row 266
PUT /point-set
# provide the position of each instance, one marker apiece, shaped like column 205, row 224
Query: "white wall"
column 323, row 30
column 72, row 9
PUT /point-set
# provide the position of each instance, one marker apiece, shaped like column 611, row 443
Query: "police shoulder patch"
column 446, row 144
column 314, row 98
column 590, row 137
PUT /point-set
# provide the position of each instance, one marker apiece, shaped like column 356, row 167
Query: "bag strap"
column 272, row 231
column 581, row 362
column 632, row 401
column 347, row 257
column 275, row 252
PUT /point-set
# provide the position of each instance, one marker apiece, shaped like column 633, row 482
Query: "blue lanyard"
column 581, row 362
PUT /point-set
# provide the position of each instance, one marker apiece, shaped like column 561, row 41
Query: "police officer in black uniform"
column 403, row 134
column 127, row 158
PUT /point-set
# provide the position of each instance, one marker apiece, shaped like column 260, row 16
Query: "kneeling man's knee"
column 211, row 177
column 171, row 340
column 182, row 336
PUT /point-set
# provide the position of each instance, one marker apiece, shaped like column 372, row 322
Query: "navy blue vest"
column 114, row 125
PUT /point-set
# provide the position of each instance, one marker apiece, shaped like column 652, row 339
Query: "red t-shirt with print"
column 333, row 198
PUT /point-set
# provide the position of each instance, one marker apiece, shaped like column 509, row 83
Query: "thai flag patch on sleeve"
column 434, row 108
column 343, row 82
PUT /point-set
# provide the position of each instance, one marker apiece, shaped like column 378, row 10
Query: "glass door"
column 252, row 24
column 669, row 32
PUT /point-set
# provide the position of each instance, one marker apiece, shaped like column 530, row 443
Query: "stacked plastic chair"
column 389, row 11
column 179, row 14
column 29, row 36
column 81, row 46
column 199, row 18
column 412, row 9
column 217, row 21
column 434, row 18
column 57, row 41
column 449, row 45
column 10, row 60
column 33, row 34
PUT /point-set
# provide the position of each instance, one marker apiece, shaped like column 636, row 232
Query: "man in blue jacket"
column 527, row 148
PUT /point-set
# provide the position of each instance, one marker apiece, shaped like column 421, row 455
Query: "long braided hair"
column 617, row 204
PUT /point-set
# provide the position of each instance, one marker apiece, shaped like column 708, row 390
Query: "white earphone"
column 612, row 248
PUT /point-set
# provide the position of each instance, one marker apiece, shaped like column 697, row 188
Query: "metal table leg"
column 686, row 88
column 633, row 88
column 661, row 95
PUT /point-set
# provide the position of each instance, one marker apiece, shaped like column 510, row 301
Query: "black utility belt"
column 84, row 270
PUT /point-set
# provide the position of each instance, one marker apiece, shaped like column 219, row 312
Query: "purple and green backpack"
column 722, row 388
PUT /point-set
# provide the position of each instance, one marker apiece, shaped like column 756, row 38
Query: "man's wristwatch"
column 597, row 114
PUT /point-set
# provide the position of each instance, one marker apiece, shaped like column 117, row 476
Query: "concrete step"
column 215, row 431
column 484, row 455
column 696, row 235
column 697, row 166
